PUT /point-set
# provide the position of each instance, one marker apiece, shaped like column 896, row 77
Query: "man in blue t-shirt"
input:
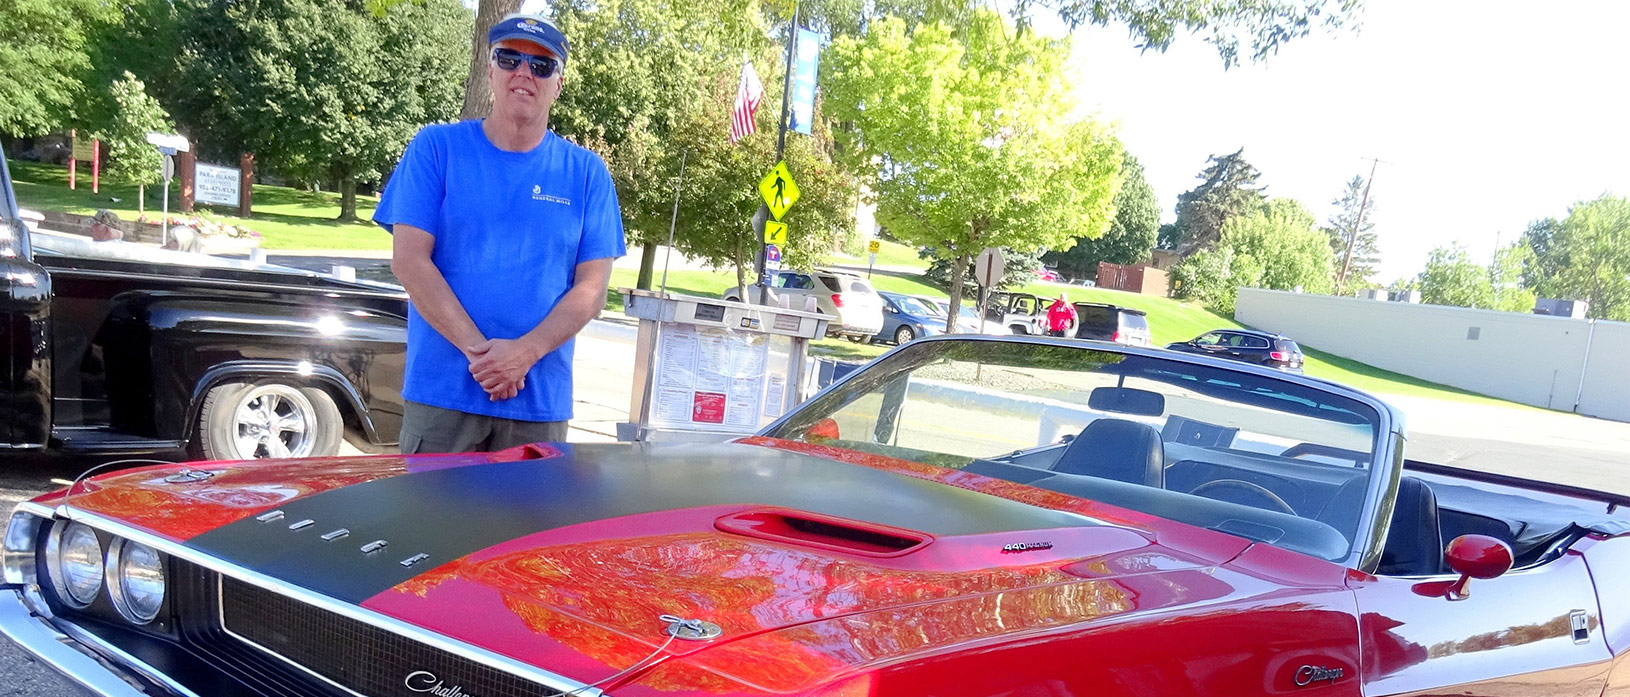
column 504, row 234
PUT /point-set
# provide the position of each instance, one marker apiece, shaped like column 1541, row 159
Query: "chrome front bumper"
column 95, row 665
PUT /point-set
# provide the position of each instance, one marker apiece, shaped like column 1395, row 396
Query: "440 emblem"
column 1026, row 546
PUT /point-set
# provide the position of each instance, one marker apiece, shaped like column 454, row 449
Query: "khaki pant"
column 428, row 429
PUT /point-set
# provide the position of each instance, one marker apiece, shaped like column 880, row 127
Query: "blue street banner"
column 803, row 81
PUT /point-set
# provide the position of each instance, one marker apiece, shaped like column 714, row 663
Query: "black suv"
column 1248, row 345
column 1111, row 323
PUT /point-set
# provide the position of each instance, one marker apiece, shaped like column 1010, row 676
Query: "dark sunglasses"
column 509, row 59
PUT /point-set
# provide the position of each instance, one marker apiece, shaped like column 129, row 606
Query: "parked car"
column 906, row 318
column 850, row 299
column 1105, row 322
column 118, row 348
column 967, row 318
column 1015, row 313
column 963, row 516
column 1248, row 345
column 1051, row 275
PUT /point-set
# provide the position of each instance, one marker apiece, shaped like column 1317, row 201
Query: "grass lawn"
column 285, row 218
column 889, row 255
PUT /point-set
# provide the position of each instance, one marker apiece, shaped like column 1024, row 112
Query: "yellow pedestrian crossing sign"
column 775, row 233
column 779, row 191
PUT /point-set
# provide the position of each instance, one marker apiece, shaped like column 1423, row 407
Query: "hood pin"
column 691, row 630
column 189, row 476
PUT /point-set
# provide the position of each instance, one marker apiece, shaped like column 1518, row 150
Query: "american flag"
column 748, row 95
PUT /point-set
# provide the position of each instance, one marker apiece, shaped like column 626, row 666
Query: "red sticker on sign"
column 707, row 408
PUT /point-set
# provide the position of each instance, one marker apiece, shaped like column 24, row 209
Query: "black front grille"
column 285, row 646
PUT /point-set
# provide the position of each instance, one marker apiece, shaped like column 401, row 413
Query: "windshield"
column 1260, row 457
column 917, row 307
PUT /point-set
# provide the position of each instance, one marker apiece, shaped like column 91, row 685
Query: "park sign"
column 217, row 185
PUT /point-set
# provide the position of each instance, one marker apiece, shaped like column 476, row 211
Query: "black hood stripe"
column 446, row 514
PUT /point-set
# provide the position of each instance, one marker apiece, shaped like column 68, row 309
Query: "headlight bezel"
column 54, row 551
column 118, row 559
column 21, row 551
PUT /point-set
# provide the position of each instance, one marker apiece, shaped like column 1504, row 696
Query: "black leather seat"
column 1414, row 545
column 1125, row 451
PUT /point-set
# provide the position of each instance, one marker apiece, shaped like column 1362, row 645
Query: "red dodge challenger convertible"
column 964, row 517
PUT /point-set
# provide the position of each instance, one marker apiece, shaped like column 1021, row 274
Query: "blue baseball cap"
column 533, row 28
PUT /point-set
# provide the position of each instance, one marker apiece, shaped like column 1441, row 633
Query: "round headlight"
column 76, row 558
column 137, row 586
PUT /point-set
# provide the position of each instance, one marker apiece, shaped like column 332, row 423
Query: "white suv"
column 851, row 300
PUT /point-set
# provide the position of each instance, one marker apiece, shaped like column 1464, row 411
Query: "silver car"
column 851, row 300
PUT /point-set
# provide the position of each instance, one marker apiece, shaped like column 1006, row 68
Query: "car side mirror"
column 1475, row 556
column 823, row 431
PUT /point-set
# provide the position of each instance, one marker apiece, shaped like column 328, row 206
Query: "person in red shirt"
column 1060, row 317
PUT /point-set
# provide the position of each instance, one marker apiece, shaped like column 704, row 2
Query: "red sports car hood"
column 816, row 563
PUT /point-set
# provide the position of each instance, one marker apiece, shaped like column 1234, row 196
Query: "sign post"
column 987, row 273
column 168, row 145
column 84, row 151
column 872, row 248
column 779, row 192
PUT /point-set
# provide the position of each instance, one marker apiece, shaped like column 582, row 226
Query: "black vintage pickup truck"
column 115, row 348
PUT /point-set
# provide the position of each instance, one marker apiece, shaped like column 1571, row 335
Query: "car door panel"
column 1511, row 636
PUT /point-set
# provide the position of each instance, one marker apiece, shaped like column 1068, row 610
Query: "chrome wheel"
column 904, row 335
column 273, row 420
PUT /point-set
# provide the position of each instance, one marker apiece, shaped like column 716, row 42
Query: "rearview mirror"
column 1126, row 400
column 1475, row 556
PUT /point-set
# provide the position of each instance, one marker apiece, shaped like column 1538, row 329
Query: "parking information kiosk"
column 707, row 369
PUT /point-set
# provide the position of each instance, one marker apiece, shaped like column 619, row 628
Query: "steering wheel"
column 1257, row 489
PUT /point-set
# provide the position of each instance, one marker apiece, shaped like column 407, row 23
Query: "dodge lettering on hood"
column 968, row 517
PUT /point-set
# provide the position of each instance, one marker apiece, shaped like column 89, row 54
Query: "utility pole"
column 763, row 296
column 1358, row 224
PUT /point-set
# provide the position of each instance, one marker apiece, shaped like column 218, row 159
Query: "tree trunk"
column 348, row 199
column 648, row 265
column 959, row 271
column 141, row 199
column 477, row 93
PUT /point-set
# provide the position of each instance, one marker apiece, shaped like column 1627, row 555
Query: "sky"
column 1486, row 115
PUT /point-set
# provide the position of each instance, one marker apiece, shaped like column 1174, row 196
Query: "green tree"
column 1505, row 279
column 1154, row 25
column 1131, row 237
column 43, row 61
column 964, row 127
column 720, row 190
column 1452, row 278
column 1542, row 270
column 1345, row 230
column 1275, row 247
column 646, row 80
column 1592, row 253
column 130, row 158
column 1206, row 277
column 1018, row 269
column 1228, row 189
column 324, row 91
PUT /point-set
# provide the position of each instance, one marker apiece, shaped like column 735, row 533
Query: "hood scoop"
column 830, row 533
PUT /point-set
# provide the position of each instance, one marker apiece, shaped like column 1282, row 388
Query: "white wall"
column 1607, row 376
column 1533, row 359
